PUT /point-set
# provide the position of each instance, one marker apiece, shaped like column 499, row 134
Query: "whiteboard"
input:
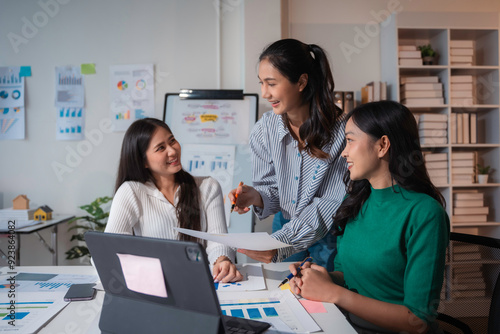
column 214, row 122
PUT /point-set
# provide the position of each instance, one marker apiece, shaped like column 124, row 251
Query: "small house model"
column 21, row 202
column 43, row 213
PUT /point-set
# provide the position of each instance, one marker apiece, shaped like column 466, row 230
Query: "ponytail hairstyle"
column 293, row 58
column 406, row 162
column 132, row 167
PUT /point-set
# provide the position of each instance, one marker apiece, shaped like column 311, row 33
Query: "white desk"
column 82, row 317
column 52, row 248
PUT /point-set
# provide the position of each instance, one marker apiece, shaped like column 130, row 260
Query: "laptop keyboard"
column 232, row 330
column 243, row 326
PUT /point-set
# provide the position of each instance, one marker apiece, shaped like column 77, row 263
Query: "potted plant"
column 95, row 221
column 482, row 173
column 428, row 54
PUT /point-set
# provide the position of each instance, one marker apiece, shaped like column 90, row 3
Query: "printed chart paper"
column 259, row 241
column 69, row 87
column 253, row 279
column 216, row 161
column 33, row 310
column 131, row 93
column 70, row 124
column 12, row 113
column 268, row 306
column 211, row 122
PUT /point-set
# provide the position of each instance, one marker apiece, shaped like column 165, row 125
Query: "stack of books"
column 374, row 91
column 463, row 128
column 462, row 90
column 462, row 52
column 468, row 207
column 11, row 214
column 421, row 91
column 344, row 100
column 409, row 55
column 433, row 129
column 437, row 167
column 468, row 279
column 462, row 167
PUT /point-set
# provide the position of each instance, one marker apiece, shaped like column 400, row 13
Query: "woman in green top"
column 392, row 228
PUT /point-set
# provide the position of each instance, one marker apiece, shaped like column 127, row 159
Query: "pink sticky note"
column 312, row 306
column 143, row 274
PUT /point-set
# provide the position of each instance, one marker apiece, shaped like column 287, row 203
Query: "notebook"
column 173, row 291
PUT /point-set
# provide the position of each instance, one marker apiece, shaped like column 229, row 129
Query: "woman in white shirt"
column 153, row 194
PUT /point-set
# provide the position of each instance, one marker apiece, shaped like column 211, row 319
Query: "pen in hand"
column 289, row 277
column 233, row 204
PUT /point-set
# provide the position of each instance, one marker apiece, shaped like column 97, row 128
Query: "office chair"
column 472, row 286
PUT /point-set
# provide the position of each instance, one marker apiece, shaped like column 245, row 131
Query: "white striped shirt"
column 307, row 190
column 141, row 209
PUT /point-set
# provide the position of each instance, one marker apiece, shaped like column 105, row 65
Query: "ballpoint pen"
column 233, row 204
column 289, row 277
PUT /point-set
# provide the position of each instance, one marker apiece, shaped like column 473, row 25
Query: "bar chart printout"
column 216, row 161
column 278, row 307
column 69, row 87
column 12, row 114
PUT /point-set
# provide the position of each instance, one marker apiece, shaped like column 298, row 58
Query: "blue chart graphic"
column 16, row 94
column 69, row 80
column 10, row 79
column 198, row 162
column 19, row 315
column 51, row 286
column 139, row 114
column 70, row 112
column 4, row 94
column 237, row 313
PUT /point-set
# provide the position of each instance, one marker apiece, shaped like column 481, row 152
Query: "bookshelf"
column 468, row 57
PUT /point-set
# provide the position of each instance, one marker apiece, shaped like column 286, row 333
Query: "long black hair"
column 132, row 167
column 293, row 58
column 406, row 162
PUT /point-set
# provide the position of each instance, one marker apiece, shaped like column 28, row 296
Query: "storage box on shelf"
column 470, row 93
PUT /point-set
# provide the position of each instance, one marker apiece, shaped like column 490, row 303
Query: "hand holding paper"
column 259, row 241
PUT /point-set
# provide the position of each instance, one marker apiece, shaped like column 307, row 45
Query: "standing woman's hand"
column 244, row 196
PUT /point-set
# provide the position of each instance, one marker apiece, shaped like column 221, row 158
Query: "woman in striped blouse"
column 153, row 194
column 297, row 172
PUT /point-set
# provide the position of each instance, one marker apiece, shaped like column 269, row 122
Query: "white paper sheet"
column 70, row 124
column 32, row 311
column 12, row 112
column 269, row 305
column 216, row 161
column 253, row 279
column 131, row 91
column 259, row 241
column 69, row 87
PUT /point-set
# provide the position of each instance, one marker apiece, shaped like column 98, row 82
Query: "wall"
column 190, row 43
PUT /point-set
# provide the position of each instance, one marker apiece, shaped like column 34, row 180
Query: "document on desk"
column 253, row 279
column 268, row 306
column 33, row 282
column 31, row 310
column 259, row 241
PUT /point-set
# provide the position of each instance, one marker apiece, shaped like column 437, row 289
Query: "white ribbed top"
column 141, row 209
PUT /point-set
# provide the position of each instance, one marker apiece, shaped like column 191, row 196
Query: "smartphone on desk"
column 80, row 292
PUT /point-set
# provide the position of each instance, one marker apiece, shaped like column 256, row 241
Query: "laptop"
column 181, row 299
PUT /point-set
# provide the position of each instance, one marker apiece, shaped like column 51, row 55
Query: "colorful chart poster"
column 12, row 124
column 131, row 93
column 70, row 124
column 216, row 161
column 12, row 113
column 11, row 87
column 211, row 122
column 69, row 87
